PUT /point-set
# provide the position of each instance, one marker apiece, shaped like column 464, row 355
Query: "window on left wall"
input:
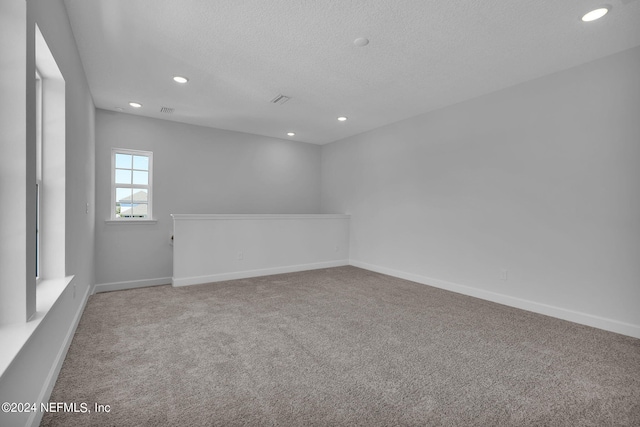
column 49, row 197
column 38, row 170
column 131, row 184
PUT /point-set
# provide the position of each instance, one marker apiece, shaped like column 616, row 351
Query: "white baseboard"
column 132, row 284
column 197, row 280
column 548, row 310
column 50, row 382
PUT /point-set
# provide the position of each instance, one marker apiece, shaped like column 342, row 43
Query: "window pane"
column 139, row 210
column 123, row 176
column 124, row 202
column 140, row 177
column 140, row 196
column 123, row 195
column 126, row 211
column 141, row 162
column 123, row 161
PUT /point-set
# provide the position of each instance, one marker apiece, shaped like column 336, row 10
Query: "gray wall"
column 23, row 381
column 540, row 179
column 13, row 163
column 196, row 170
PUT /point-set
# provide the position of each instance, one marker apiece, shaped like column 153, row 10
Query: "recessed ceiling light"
column 596, row 14
column 342, row 118
column 135, row 104
column 361, row 42
column 291, row 133
column 180, row 79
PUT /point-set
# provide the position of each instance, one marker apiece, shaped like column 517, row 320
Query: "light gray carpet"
column 340, row 346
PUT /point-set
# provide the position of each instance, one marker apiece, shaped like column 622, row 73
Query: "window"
column 49, row 196
column 38, row 168
column 131, row 177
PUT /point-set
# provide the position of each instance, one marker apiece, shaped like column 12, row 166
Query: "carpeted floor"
column 335, row 347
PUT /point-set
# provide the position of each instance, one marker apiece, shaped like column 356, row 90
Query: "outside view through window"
column 132, row 185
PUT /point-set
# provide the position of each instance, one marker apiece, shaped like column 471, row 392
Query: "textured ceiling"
column 240, row 54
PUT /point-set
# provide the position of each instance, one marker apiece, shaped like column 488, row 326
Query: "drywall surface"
column 537, row 184
column 30, row 376
column 196, row 170
column 13, row 295
column 212, row 248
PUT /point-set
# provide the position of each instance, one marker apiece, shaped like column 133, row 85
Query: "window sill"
column 131, row 221
column 15, row 336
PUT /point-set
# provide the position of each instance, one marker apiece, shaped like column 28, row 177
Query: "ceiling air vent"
column 166, row 110
column 280, row 99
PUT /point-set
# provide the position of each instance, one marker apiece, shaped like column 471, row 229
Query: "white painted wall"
column 541, row 179
column 196, row 170
column 13, row 184
column 28, row 378
column 211, row 248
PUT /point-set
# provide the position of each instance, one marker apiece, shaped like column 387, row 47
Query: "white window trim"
column 113, row 218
